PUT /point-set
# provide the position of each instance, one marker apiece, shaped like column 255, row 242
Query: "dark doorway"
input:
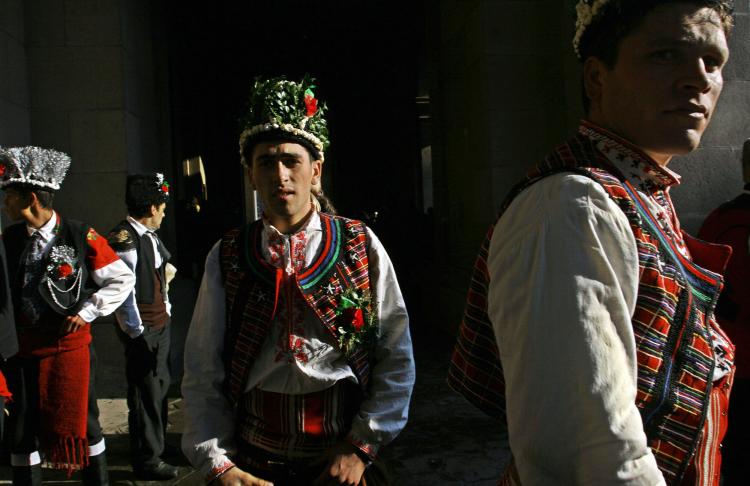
column 366, row 59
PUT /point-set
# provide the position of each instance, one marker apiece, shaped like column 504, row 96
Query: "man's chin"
column 677, row 145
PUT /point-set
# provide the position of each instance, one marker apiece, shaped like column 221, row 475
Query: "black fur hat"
column 146, row 189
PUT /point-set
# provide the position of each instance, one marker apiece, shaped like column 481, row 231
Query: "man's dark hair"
column 140, row 210
column 44, row 196
column 143, row 191
column 621, row 17
column 246, row 150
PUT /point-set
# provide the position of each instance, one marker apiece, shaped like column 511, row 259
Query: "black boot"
column 27, row 475
column 95, row 474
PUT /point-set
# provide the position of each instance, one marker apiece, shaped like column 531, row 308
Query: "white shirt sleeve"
column 383, row 415
column 564, row 279
column 208, row 436
column 127, row 314
column 115, row 282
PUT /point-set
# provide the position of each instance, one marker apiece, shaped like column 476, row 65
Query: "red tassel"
column 70, row 454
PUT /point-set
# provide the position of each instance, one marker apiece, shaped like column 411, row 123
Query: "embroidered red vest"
column 252, row 284
column 674, row 310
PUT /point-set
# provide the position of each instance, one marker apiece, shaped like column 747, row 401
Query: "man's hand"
column 344, row 467
column 72, row 324
column 238, row 477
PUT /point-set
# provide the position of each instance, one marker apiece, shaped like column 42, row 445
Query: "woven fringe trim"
column 69, row 453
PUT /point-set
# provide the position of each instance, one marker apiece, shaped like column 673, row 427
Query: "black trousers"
column 22, row 375
column 147, row 373
column 282, row 472
column 2, row 419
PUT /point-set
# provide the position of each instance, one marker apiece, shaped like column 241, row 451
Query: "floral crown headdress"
column 33, row 166
column 586, row 12
column 288, row 108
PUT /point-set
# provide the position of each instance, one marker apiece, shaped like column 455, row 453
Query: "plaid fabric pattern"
column 296, row 426
column 252, row 287
column 475, row 370
column 671, row 323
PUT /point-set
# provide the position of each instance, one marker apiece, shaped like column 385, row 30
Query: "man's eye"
column 712, row 62
column 665, row 55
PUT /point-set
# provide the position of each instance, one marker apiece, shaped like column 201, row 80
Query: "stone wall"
column 500, row 97
column 93, row 94
column 14, row 92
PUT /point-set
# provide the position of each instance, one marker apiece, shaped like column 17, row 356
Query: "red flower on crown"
column 310, row 102
column 2, row 170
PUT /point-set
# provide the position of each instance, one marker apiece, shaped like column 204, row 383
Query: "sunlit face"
column 15, row 205
column 662, row 91
column 157, row 215
column 283, row 174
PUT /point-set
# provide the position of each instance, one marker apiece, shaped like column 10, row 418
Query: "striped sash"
column 296, row 426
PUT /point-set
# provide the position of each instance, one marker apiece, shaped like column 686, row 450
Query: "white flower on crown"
column 585, row 13
column 159, row 179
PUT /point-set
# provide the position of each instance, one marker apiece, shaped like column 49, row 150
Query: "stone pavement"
column 446, row 441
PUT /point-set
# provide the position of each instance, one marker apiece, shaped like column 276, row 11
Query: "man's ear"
column 33, row 200
column 154, row 210
column 594, row 79
column 317, row 169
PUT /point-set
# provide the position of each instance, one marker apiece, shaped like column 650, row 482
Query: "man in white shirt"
column 63, row 276
column 589, row 325
column 143, row 321
column 298, row 363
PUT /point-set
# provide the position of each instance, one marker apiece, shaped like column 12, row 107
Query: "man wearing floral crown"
column 589, row 325
column 143, row 321
column 63, row 276
column 298, row 363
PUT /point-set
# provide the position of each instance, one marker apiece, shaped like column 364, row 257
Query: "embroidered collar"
column 288, row 251
column 640, row 169
column 48, row 229
column 312, row 224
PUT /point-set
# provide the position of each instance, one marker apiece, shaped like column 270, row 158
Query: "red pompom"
column 64, row 270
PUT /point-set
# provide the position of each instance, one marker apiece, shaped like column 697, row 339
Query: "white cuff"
column 32, row 459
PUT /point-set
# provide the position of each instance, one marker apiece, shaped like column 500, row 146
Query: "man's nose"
column 698, row 77
column 282, row 171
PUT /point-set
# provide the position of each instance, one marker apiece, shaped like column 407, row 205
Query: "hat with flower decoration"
column 279, row 109
column 146, row 189
column 33, row 167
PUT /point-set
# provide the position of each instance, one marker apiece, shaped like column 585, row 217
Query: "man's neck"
column 147, row 222
column 36, row 218
column 660, row 159
column 289, row 226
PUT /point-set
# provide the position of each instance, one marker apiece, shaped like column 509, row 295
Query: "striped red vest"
column 252, row 284
column 675, row 303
